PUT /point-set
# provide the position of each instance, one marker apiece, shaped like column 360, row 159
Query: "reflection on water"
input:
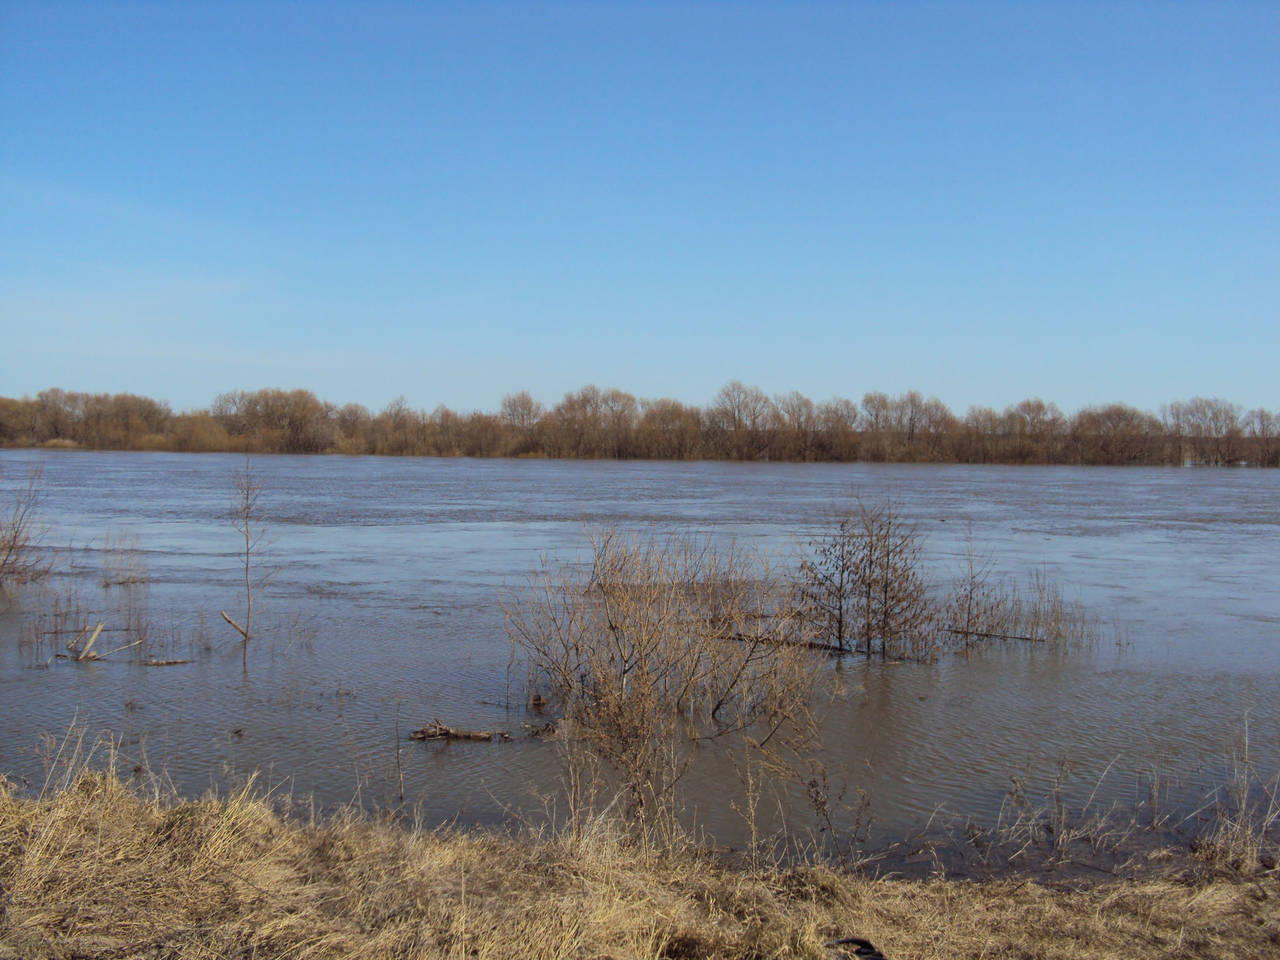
column 385, row 611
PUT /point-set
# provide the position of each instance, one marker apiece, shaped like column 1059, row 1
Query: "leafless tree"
column 248, row 521
column 827, row 578
column 744, row 419
column 838, row 418
column 863, row 585
column 1263, row 429
column 669, row 430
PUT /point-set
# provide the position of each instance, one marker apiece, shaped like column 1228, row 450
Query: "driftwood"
column 79, row 631
column 239, row 629
column 86, row 654
column 438, row 731
column 81, row 654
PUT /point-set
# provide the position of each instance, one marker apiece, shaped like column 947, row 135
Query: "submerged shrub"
column 20, row 534
column 661, row 649
column 863, row 588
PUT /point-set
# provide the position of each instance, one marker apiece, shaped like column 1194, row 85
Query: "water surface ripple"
column 385, row 612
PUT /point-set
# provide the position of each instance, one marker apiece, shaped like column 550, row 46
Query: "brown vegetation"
column 862, row 587
column 94, row 867
column 658, row 652
column 741, row 423
column 20, row 533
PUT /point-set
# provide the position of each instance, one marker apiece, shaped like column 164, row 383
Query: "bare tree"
column 838, row 419
column 247, row 519
column 799, row 424
column 863, row 583
column 1263, row 429
column 669, row 430
column 827, row 577
column 744, row 419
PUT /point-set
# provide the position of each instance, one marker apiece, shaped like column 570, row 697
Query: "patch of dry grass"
column 98, row 868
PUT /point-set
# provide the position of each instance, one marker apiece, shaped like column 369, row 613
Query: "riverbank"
column 102, row 868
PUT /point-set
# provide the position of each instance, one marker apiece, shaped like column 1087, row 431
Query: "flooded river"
column 384, row 611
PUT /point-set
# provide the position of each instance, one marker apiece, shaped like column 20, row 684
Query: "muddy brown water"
column 384, row 613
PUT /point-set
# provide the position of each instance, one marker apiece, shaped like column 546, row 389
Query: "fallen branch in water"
column 78, row 631
column 438, row 731
column 239, row 629
column 86, row 655
column 774, row 641
column 991, row 636
column 78, row 653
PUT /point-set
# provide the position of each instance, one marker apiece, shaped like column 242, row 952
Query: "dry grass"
column 95, row 867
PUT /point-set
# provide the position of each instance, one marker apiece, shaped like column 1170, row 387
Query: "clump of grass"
column 94, row 866
column 123, row 563
column 1238, row 830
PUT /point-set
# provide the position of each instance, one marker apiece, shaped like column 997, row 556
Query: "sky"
column 449, row 202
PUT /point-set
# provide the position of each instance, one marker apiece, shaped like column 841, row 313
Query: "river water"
column 384, row 611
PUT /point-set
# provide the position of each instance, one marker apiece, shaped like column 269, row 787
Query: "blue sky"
column 982, row 201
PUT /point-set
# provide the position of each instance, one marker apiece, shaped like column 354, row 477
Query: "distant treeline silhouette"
column 741, row 423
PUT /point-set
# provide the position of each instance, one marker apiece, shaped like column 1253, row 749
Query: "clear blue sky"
column 982, row 201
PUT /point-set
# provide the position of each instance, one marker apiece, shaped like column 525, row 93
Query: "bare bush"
column 20, row 558
column 979, row 607
column 661, row 649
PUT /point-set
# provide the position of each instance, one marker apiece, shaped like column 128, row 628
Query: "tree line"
column 740, row 423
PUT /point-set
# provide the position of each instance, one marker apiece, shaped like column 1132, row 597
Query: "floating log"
column 438, row 731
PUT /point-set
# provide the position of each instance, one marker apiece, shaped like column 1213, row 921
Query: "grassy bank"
column 97, row 868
